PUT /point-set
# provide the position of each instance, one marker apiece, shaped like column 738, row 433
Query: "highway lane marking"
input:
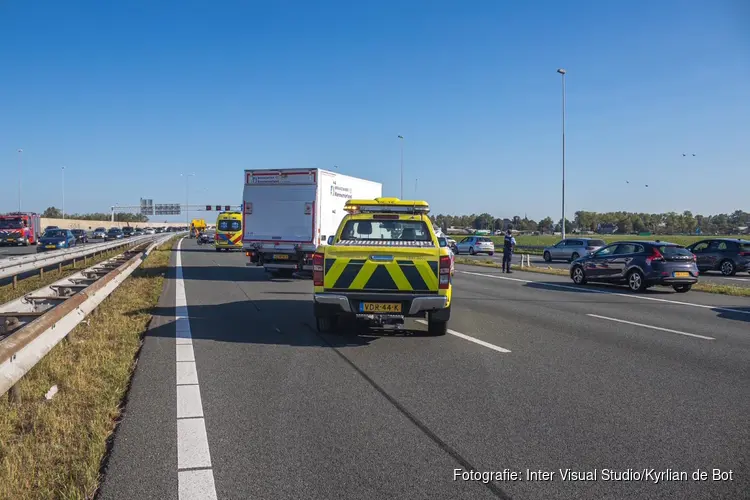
column 736, row 279
column 472, row 339
column 594, row 290
column 651, row 327
column 192, row 439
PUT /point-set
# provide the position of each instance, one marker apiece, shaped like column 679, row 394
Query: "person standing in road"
column 508, row 245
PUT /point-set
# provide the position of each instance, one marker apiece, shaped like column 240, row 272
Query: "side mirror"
column 330, row 240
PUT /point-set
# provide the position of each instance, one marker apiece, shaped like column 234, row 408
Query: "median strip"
column 736, row 291
column 53, row 448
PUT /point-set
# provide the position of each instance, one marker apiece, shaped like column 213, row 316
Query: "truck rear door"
column 279, row 213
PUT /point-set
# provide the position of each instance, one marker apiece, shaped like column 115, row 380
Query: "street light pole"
column 187, row 197
column 402, row 166
column 20, row 154
column 63, row 192
column 562, row 73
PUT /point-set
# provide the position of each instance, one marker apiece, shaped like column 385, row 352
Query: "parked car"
column 722, row 254
column 570, row 249
column 115, row 233
column 639, row 264
column 80, row 234
column 99, row 233
column 55, row 239
column 474, row 245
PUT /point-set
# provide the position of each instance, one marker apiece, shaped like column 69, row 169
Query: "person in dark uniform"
column 508, row 245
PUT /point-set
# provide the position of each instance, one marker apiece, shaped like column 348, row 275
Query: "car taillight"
column 445, row 272
column 655, row 256
column 318, row 269
column 695, row 258
column 744, row 254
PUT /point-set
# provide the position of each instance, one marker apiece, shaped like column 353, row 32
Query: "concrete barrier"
column 90, row 225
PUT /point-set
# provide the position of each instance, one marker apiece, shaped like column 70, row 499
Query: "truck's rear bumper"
column 411, row 304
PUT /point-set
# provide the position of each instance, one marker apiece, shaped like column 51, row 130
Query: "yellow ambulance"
column 228, row 231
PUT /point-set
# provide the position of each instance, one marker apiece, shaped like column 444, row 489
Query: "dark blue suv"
column 639, row 264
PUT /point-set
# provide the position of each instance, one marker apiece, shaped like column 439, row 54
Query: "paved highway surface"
column 715, row 277
column 536, row 374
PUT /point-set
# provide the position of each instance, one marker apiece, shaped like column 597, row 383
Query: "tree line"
column 626, row 222
column 56, row 213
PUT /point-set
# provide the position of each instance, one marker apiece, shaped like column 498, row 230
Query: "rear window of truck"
column 386, row 230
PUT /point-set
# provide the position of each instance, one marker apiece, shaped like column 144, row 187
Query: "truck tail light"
column 318, row 269
column 655, row 256
column 445, row 272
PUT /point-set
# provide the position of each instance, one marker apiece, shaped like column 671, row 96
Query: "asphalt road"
column 740, row 279
column 537, row 374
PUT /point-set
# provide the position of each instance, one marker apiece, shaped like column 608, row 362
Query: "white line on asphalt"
column 651, row 327
column 594, row 290
column 189, row 403
column 192, row 439
column 196, row 484
column 737, row 279
column 471, row 339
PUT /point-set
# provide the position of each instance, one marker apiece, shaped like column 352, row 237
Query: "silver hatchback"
column 474, row 245
column 572, row 248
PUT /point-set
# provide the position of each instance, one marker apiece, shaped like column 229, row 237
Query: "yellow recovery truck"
column 384, row 264
column 196, row 226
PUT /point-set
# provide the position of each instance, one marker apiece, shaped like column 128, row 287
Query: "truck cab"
column 385, row 263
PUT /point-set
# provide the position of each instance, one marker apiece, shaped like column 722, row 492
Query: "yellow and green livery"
column 384, row 263
column 228, row 231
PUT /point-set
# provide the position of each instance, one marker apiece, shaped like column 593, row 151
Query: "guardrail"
column 27, row 344
column 14, row 266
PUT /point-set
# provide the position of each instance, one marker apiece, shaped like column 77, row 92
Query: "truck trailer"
column 288, row 213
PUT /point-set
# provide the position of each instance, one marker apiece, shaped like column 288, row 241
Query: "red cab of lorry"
column 20, row 228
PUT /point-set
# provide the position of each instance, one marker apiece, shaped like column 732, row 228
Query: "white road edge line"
column 192, row 440
column 594, row 290
column 736, row 279
column 472, row 339
column 651, row 327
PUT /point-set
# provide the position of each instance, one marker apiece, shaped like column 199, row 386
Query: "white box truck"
column 288, row 213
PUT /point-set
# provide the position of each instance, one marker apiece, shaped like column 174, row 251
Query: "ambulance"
column 228, row 231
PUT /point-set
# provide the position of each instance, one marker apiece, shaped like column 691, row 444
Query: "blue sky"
column 127, row 95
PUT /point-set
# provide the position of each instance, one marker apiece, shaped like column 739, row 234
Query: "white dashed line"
column 651, row 327
column 594, row 290
column 192, row 440
column 472, row 339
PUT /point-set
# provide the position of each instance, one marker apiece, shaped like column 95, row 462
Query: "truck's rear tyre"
column 437, row 322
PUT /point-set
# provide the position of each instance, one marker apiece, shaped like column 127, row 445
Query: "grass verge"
column 53, row 449
column 736, row 291
column 26, row 285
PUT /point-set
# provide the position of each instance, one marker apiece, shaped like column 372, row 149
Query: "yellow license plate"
column 281, row 256
column 681, row 275
column 378, row 307
column 51, row 246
